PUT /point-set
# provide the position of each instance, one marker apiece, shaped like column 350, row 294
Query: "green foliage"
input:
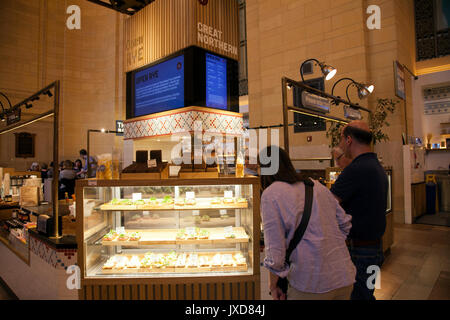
column 377, row 120
column 334, row 132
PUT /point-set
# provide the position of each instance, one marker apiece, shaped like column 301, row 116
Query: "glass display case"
column 168, row 228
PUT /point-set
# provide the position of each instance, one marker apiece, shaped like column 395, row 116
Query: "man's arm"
column 346, row 185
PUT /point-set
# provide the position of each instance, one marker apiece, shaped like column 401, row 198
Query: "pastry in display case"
column 148, row 230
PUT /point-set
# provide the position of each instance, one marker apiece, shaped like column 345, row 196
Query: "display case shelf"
column 201, row 204
column 169, row 236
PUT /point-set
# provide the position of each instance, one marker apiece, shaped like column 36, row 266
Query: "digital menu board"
column 160, row 87
column 216, row 82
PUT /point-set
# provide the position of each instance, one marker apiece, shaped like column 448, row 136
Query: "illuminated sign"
column 315, row 102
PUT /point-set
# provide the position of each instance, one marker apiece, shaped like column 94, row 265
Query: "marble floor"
column 418, row 267
column 438, row 219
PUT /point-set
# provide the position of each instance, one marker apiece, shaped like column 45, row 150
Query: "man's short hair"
column 83, row 152
column 362, row 136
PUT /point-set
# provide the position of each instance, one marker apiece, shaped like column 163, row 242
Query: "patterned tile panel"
column 57, row 258
column 212, row 121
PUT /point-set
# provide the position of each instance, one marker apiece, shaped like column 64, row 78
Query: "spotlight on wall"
column 363, row 89
column 328, row 71
column 102, row 130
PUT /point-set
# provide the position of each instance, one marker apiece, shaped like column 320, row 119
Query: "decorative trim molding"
column 182, row 120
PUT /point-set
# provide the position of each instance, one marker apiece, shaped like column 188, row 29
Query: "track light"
column 48, row 93
column 363, row 89
column 328, row 71
column 28, row 105
column 34, row 98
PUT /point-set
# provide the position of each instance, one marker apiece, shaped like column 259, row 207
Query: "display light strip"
column 312, row 114
column 26, row 123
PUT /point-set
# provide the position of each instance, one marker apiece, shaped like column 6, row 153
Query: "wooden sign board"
column 167, row 26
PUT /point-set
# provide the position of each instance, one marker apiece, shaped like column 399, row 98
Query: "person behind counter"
column 67, row 178
column 362, row 190
column 44, row 170
column 78, row 168
column 92, row 162
column 340, row 159
column 34, row 167
column 321, row 267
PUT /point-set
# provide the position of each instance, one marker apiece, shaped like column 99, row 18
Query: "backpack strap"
column 300, row 231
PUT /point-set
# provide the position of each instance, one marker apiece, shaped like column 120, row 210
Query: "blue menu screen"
column 216, row 82
column 160, row 87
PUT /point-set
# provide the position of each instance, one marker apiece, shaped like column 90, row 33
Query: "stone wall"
column 39, row 49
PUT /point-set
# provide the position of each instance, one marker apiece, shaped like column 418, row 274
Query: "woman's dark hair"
column 83, row 152
column 362, row 136
column 286, row 171
column 78, row 161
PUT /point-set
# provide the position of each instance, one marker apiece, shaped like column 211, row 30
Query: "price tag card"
column 120, row 229
column 137, row 196
column 190, row 230
column 190, row 195
column 228, row 194
column 195, row 212
column 173, row 170
column 223, row 212
column 228, row 229
column 92, row 182
column 152, row 163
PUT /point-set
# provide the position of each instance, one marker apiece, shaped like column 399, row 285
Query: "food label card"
column 190, row 230
column 195, row 212
column 152, row 163
column 228, row 194
column 190, row 195
column 228, row 229
column 223, row 212
column 173, row 170
column 137, row 196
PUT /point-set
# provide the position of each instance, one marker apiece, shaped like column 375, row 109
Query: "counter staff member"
column 361, row 190
column 92, row 163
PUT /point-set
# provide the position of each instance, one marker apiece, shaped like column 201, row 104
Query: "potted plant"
column 377, row 120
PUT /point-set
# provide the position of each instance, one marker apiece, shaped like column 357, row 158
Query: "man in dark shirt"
column 361, row 190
